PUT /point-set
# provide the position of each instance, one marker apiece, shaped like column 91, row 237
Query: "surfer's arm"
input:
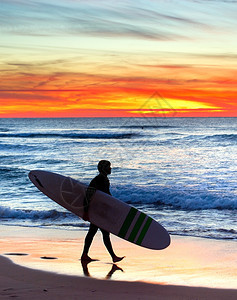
column 85, row 216
column 86, row 203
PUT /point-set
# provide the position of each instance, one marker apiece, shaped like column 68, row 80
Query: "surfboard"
column 105, row 211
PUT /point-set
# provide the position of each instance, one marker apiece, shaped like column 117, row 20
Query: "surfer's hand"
column 85, row 216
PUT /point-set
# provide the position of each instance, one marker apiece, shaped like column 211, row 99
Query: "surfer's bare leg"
column 88, row 240
column 107, row 242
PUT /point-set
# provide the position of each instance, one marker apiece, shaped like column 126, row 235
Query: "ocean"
column 180, row 171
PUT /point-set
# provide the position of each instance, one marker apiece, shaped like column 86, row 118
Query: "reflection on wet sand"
column 108, row 276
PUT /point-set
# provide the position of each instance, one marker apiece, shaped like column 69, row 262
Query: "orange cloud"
column 186, row 89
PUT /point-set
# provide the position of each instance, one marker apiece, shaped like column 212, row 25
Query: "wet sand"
column 191, row 268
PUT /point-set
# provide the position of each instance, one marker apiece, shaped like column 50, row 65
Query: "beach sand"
column 47, row 266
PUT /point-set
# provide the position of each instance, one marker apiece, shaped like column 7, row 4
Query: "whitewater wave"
column 189, row 200
column 184, row 199
column 11, row 213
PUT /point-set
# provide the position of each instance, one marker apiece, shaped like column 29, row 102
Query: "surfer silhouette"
column 100, row 182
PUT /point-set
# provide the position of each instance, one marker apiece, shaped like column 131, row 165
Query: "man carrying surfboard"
column 100, row 182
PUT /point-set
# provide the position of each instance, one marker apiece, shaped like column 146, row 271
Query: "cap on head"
column 103, row 164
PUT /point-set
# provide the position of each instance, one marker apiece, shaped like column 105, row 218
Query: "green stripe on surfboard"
column 144, row 231
column 124, row 228
column 136, row 227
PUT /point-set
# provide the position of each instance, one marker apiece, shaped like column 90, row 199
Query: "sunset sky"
column 97, row 58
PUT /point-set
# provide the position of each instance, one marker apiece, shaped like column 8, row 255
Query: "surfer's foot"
column 117, row 259
column 86, row 258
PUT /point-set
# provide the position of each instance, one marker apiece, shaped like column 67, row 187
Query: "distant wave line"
column 70, row 135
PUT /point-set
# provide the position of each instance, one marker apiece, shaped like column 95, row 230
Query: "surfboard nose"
column 34, row 178
column 30, row 175
column 36, row 173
